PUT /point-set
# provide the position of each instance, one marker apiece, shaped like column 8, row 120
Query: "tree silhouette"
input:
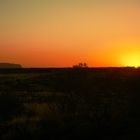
column 81, row 65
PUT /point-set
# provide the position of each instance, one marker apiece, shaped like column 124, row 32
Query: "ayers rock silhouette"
column 9, row 65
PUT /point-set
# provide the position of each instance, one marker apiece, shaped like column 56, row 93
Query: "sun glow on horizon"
column 131, row 60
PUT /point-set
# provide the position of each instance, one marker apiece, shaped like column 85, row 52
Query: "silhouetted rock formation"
column 9, row 65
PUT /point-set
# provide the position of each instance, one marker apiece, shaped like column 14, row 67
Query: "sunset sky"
column 61, row 33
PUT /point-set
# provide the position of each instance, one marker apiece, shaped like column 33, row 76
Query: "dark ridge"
column 9, row 66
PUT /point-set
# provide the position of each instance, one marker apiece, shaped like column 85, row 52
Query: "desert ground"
column 70, row 103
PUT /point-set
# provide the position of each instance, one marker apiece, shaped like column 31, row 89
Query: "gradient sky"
column 57, row 33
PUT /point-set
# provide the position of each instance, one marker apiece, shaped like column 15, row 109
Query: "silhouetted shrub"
column 81, row 65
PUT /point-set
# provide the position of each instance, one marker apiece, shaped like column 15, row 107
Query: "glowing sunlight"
column 131, row 59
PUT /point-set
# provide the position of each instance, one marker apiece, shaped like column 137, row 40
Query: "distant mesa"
column 9, row 66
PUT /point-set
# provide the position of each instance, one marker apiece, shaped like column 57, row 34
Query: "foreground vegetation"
column 69, row 103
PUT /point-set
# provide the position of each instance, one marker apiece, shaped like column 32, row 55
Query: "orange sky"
column 58, row 33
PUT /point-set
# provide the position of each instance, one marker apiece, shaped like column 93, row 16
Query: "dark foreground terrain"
column 70, row 103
